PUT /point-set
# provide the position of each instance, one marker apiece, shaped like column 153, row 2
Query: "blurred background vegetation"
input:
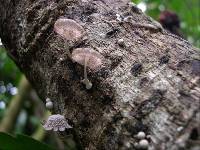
column 21, row 110
column 188, row 12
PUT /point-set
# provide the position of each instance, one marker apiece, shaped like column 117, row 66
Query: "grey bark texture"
column 150, row 84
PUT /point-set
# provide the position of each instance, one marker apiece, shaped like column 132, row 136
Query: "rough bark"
column 151, row 84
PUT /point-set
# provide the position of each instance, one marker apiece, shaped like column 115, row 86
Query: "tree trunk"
column 149, row 83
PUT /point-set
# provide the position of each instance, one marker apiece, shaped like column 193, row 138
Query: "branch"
column 149, row 83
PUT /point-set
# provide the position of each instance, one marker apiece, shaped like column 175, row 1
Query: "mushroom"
column 141, row 135
column 49, row 104
column 121, row 42
column 56, row 122
column 143, row 144
column 89, row 58
column 69, row 30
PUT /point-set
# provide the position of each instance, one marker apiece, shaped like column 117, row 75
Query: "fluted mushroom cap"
column 68, row 29
column 95, row 59
column 56, row 123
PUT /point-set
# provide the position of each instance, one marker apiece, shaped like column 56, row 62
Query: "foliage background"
column 29, row 122
column 187, row 10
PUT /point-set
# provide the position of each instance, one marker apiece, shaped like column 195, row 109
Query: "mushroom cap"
column 49, row 105
column 56, row 122
column 143, row 144
column 48, row 99
column 68, row 29
column 95, row 59
column 141, row 135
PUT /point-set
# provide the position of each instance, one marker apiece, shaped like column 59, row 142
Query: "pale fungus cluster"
column 70, row 30
column 49, row 104
column 55, row 122
column 143, row 143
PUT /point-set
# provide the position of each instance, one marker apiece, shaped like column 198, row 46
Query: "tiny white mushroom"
column 61, row 59
column 179, row 129
column 141, row 135
column 56, row 123
column 121, row 42
column 143, row 144
column 49, row 104
column 89, row 58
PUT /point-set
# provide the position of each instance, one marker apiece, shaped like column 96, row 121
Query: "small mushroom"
column 56, row 123
column 69, row 30
column 121, row 42
column 49, row 104
column 141, row 135
column 89, row 58
column 143, row 144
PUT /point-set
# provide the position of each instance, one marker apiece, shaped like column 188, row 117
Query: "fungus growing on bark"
column 143, row 144
column 56, row 123
column 121, row 42
column 141, row 135
column 69, row 30
column 49, row 104
column 89, row 58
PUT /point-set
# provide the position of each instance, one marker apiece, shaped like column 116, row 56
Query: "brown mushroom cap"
column 68, row 29
column 95, row 59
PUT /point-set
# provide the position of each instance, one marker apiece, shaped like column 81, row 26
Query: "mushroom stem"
column 87, row 83
column 85, row 67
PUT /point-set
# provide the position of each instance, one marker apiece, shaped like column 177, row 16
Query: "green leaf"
column 21, row 142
